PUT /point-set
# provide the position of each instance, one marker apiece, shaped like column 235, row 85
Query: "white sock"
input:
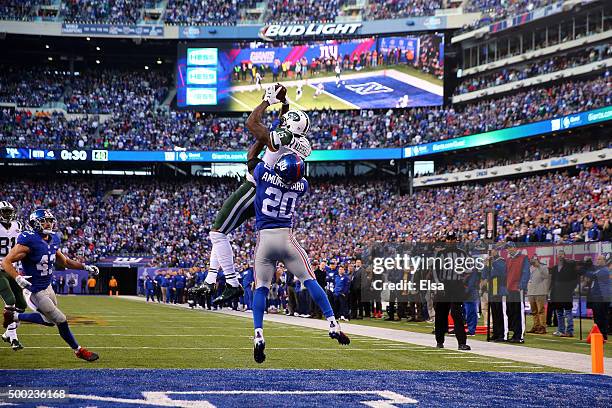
column 225, row 256
column 333, row 324
column 211, row 277
column 11, row 331
column 258, row 336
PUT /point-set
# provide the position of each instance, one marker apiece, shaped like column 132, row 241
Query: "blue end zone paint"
column 372, row 99
column 441, row 389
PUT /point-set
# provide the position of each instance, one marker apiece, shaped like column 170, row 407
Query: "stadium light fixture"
column 47, row 46
column 97, row 48
column 159, row 61
column 88, row 39
column 97, row 61
column 146, row 67
column 50, row 58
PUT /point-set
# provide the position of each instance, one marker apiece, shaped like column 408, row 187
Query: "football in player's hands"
column 275, row 94
column 281, row 93
column 93, row 269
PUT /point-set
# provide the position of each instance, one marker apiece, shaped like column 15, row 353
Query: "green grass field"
column 248, row 100
column 132, row 334
column 407, row 69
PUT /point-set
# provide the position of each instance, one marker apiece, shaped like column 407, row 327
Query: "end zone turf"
column 308, row 388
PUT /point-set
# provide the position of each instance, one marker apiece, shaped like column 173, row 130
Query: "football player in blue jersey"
column 278, row 190
column 38, row 250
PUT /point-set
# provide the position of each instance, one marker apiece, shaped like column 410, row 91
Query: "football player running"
column 288, row 135
column 38, row 250
column 10, row 291
column 278, row 190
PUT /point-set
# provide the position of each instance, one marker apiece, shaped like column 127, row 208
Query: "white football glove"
column 23, row 281
column 92, row 269
column 271, row 95
column 301, row 146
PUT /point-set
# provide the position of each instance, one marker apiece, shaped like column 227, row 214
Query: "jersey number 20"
column 277, row 204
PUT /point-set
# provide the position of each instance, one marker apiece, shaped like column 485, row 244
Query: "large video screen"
column 203, row 78
column 366, row 73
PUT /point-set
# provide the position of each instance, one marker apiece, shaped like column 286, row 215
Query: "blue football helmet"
column 40, row 216
column 290, row 168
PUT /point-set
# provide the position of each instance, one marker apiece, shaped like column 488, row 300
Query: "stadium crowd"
column 229, row 12
column 496, row 10
column 223, row 12
column 533, row 69
column 302, row 10
column 107, row 11
column 170, row 220
column 137, row 125
column 389, row 9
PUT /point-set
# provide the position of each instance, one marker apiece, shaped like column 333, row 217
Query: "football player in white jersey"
column 288, row 135
column 10, row 291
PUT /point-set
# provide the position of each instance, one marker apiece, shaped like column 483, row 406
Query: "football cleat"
column 86, row 355
column 258, row 350
column 208, row 288
column 16, row 345
column 464, row 347
column 8, row 318
column 340, row 336
column 229, row 293
column 337, row 334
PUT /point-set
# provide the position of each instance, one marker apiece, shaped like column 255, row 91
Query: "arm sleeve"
column 274, row 125
column 24, row 238
column 257, row 172
column 306, row 187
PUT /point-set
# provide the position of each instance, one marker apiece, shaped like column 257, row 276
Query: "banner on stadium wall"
column 152, row 271
column 72, row 278
column 518, row 132
column 156, row 31
column 275, row 32
column 526, row 17
column 124, row 261
column 184, row 156
column 497, row 136
column 514, row 169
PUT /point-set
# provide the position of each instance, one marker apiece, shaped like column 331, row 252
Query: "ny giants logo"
column 369, row 88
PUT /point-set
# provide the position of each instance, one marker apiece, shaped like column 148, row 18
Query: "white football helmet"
column 7, row 212
column 295, row 121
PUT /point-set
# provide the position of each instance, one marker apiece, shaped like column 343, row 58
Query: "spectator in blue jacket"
column 496, row 274
column 600, row 293
column 342, row 285
column 169, row 288
column 247, row 284
column 199, row 276
column 149, row 286
column 179, row 285
column 470, row 306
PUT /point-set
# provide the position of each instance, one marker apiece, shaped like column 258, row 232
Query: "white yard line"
column 541, row 357
column 244, row 105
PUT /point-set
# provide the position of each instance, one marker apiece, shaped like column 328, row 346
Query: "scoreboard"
column 202, row 77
